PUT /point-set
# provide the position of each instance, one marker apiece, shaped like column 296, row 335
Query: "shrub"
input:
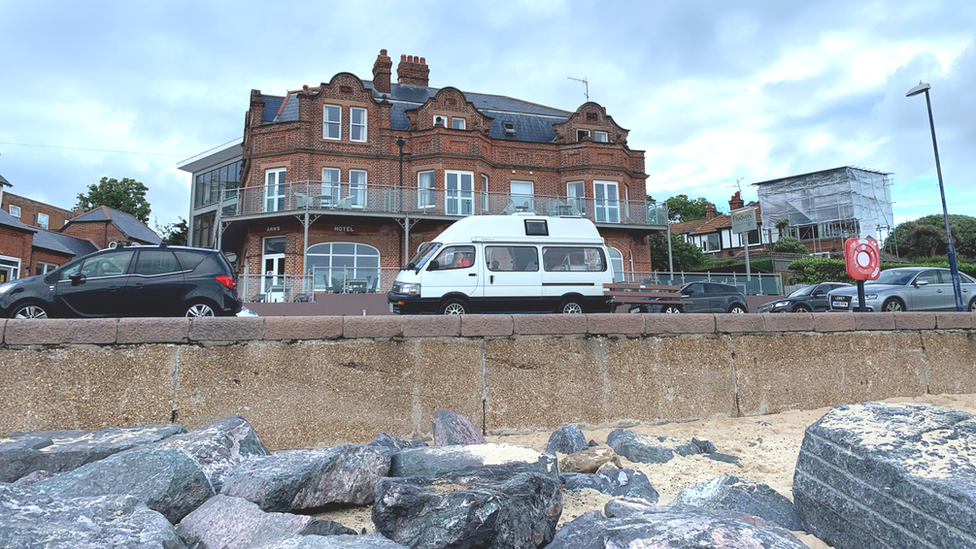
column 789, row 245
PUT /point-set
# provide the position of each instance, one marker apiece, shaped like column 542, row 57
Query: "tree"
column 127, row 196
column 783, row 226
column 685, row 255
column 789, row 245
column 682, row 208
column 912, row 242
column 174, row 233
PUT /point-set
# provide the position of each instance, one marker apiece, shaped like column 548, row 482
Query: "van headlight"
column 409, row 288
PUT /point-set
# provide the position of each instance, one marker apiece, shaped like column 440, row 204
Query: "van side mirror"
column 434, row 265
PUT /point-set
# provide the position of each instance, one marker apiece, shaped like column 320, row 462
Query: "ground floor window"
column 9, row 269
column 344, row 267
column 44, row 268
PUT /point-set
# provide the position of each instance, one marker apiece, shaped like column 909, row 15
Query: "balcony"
column 344, row 198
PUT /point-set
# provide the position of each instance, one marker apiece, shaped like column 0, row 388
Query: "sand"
column 767, row 447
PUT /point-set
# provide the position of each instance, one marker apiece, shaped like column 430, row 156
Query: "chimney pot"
column 423, row 61
column 413, row 70
column 403, row 57
column 383, row 52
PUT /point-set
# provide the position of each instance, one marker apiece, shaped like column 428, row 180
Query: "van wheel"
column 571, row 306
column 454, row 307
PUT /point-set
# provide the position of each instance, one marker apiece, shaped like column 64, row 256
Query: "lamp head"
column 921, row 87
column 400, row 141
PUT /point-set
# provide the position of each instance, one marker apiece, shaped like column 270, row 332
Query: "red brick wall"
column 47, row 256
column 16, row 244
column 30, row 208
column 99, row 232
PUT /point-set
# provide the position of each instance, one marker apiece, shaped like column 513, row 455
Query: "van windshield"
column 427, row 250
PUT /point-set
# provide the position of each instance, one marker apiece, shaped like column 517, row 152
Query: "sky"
column 714, row 92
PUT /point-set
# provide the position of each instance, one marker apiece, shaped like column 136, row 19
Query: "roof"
column 4, row 182
column 779, row 179
column 687, row 226
column 531, row 121
column 7, row 220
column 128, row 225
column 63, row 243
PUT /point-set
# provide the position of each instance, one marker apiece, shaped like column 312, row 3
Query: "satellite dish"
column 112, row 245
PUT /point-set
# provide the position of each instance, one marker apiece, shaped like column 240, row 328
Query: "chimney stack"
column 736, row 201
column 413, row 70
column 709, row 212
column 382, row 70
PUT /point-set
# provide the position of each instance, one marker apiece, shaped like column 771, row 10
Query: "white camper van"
column 507, row 263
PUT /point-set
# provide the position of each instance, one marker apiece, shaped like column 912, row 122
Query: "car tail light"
column 227, row 281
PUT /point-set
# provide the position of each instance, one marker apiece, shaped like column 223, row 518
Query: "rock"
column 219, row 446
column 489, row 461
column 592, row 443
column 29, row 520
column 520, row 512
column 590, row 460
column 889, row 475
column 724, row 458
column 452, row 428
column 225, row 521
column 640, row 448
column 743, row 496
column 608, row 467
column 705, row 446
column 623, row 482
column 674, row 529
column 306, row 479
column 167, row 481
column 566, row 440
column 342, row 541
column 33, row 478
column 60, row 451
column 389, row 444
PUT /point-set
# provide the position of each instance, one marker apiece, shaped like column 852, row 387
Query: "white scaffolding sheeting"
column 828, row 199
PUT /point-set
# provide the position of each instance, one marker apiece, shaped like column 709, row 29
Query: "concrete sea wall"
column 318, row 381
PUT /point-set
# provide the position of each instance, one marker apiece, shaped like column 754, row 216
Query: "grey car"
column 701, row 297
column 908, row 289
column 806, row 299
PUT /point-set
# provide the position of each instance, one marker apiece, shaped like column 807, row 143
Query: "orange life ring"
column 863, row 258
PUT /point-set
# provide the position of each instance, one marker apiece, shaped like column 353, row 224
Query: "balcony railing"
column 345, row 197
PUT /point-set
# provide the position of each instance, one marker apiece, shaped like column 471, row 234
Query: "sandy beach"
column 767, row 447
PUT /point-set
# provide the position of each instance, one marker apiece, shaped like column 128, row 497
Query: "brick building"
column 35, row 213
column 714, row 233
column 314, row 195
column 105, row 225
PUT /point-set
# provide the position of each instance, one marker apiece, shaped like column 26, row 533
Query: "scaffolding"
column 839, row 203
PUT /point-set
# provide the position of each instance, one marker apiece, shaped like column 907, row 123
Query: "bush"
column 789, row 245
column 814, row 270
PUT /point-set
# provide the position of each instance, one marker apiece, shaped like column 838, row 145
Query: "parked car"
column 132, row 281
column 805, row 300
column 702, row 297
column 908, row 289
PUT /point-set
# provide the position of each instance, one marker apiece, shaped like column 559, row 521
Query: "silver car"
column 907, row 289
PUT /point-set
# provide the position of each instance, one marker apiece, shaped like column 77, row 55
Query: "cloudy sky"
column 713, row 91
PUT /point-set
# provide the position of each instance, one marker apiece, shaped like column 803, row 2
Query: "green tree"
column 912, row 243
column 789, row 245
column 783, row 226
column 127, row 196
column 174, row 233
column 685, row 255
column 682, row 208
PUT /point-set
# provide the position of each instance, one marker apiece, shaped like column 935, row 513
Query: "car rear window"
column 189, row 260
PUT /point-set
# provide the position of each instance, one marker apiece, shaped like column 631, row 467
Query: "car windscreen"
column 803, row 291
column 426, row 251
column 893, row 277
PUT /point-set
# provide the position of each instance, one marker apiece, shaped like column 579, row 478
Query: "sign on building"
column 743, row 220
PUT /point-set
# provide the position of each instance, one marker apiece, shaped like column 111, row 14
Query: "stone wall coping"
column 127, row 331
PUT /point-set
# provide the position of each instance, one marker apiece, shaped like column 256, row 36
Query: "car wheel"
column 972, row 305
column 737, row 309
column 29, row 310
column 571, row 306
column 671, row 310
column 454, row 307
column 893, row 306
column 199, row 309
column 801, row 309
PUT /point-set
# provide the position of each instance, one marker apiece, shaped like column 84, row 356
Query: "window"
column 536, row 227
column 110, row 264
column 9, row 269
column 580, row 134
column 357, row 124
column 440, row 121
column 617, row 264
column 484, row 194
column 155, row 262
column 455, row 257
column 512, row 258
column 15, row 211
column 753, row 236
column 573, row 259
column 605, row 202
column 576, row 195
column 189, row 260
column 600, row 137
column 509, row 128
column 344, row 267
column 44, row 268
column 458, row 193
column 42, row 220
column 203, row 236
column 713, row 242
column 330, row 187
column 521, row 192
column 274, row 190
column 331, row 122
column 426, row 195
column 208, row 186
column 457, row 123
column 357, row 188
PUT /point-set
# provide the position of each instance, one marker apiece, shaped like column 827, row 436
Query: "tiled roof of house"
column 720, row 222
column 687, row 226
column 125, row 223
column 63, row 243
column 7, row 220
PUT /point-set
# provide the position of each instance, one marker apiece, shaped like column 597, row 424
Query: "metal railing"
column 292, row 288
column 343, row 196
column 755, row 284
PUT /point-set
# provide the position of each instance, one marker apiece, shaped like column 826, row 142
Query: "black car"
column 805, row 300
column 132, row 281
column 701, row 297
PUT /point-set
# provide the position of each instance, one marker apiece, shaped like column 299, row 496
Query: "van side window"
column 536, row 227
column 455, row 257
column 566, row 258
column 512, row 258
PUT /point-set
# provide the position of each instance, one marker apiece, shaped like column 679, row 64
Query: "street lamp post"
column 951, row 252
column 405, row 254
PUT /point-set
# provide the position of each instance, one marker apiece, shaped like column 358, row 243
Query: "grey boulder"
column 451, row 428
column 218, row 447
column 389, row 444
column 566, row 440
column 225, row 522
column 629, row 483
column 60, row 451
column 743, row 496
column 343, row 541
column 306, row 479
column 878, row 475
column 489, row 460
column 32, row 521
column 640, row 448
column 520, row 512
column 167, row 481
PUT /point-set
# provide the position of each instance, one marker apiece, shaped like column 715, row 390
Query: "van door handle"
column 472, row 274
column 491, row 279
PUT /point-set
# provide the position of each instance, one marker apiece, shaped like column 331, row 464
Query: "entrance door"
column 606, row 201
column 273, row 268
column 460, row 193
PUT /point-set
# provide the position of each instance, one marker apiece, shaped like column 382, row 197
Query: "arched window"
column 344, row 267
column 617, row 264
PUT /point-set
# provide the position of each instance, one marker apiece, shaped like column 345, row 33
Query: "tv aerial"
column 586, row 86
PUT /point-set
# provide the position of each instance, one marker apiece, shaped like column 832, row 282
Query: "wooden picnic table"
column 643, row 294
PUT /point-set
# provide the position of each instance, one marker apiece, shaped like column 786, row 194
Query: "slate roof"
column 7, row 220
column 63, row 243
column 3, row 181
column 532, row 122
column 125, row 223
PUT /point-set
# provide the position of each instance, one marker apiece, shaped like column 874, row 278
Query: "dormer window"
column 600, row 137
column 440, row 121
column 580, row 134
column 509, row 129
column 457, row 123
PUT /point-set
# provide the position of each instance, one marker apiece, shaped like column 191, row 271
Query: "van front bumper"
column 403, row 304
